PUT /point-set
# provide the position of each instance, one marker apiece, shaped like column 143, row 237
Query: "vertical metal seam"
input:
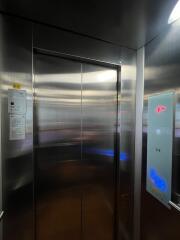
column 116, row 158
column 34, row 162
column 1, row 187
column 82, row 194
column 138, row 143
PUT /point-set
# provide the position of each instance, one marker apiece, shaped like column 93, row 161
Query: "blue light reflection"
column 123, row 156
column 157, row 180
column 107, row 152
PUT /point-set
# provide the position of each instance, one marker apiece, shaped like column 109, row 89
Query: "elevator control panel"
column 160, row 146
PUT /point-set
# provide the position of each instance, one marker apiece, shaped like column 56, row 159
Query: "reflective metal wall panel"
column 1, row 209
column 138, row 142
column 162, row 74
column 57, row 41
column 75, row 123
column 16, row 70
column 52, row 140
column 57, row 116
column 99, row 105
column 126, row 128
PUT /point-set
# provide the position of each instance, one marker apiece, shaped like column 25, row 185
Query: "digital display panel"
column 160, row 146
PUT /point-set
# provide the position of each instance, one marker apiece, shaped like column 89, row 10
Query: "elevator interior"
column 61, row 179
column 79, row 167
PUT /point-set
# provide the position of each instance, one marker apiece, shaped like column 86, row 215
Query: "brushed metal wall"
column 56, row 41
column 75, row 125
column 126, row 130
column 17, row 159
column 1, row 209
column 57, row 132
column 162, row 73
column 99, row 105
column 16, row 66
column 138, row 142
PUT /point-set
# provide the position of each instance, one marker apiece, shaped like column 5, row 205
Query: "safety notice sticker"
column 16, row 101
column 17, row 127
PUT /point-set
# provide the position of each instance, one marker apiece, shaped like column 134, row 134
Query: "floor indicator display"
column 160, row 146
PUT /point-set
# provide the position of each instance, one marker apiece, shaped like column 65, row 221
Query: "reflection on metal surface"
column 177, row 207
column 58, row 148
column 99, row 119
column 107, row 152
column 162, row 74
column 126, row 121
column 16, row 67
column 1, row 215
column 74, row 188
column 17, row 157
column 1, row 207
column 104, row 76
column 138, row 143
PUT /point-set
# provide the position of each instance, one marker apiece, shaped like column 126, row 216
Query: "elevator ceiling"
column 129, row 23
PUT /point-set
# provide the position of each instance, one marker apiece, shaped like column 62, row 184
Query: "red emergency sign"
column 161, row 108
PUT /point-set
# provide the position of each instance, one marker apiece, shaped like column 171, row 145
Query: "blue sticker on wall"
column 160, row 146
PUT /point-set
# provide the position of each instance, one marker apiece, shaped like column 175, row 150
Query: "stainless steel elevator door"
column 57, row 148
column 99, row 102
column 75, row 122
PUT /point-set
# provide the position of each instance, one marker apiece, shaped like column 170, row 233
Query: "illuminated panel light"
column 175, row 14
column 157, row 180
column 161, row 108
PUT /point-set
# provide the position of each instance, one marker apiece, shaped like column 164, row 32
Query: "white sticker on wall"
column 17, row 127
column 16, row 101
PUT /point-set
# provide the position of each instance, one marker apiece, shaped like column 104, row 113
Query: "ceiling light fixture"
column 175, row 14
